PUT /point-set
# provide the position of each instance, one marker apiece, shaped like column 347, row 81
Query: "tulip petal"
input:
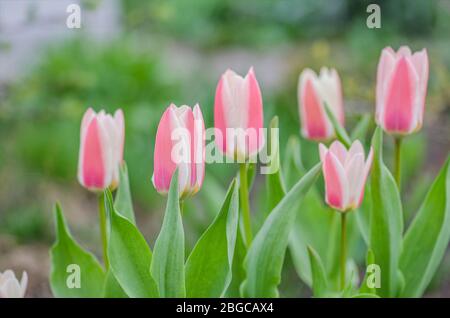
column 339, row 151
column 322, row 151
column 93, row 164
column 315, row 124
column 219, row 117
column 384, row 70
column 355, row 176
column 400, row 98
column 255, row 113
column 367, row 167
column 120, row 126
column 336, row 185
column 355, row 149
column 199, row 146
column 420, row 62
column 164, row 166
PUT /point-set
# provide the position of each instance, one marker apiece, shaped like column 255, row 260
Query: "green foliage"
column 129, row 255
column 209, row 266
column 427, row 238
column 65, row 253
column 386, row 223
column 168, row 256
column 265, row 256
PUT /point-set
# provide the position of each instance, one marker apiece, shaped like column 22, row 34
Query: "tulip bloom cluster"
column 179, row 172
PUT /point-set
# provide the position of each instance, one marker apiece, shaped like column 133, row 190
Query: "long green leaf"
column 168, row 255
column 265, row 257
column 209, row 266
column 123, row 203
column 319, row 277
column 129, row 255
column 70, row 262
column 237, row 269
column 427, row 237
column 386, row 223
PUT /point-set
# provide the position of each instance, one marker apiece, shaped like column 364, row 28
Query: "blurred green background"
column 165, row 51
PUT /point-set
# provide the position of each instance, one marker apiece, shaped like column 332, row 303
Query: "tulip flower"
column 10, row 287
column 402, row 80
column 101, row 149
column 345, row 174
column 180, row 143
column 238, row 115
column 313, row 92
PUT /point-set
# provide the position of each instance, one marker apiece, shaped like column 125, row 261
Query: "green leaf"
column 123, row 203
column 362, row 214
column 274, row 182
column 341, row 134
column 386, row 223
column 66, row 253
column 112, row 288
column 209, row 266
column 168, row 255
column 265, row 257
column 319, row 277
column 129, row 255
column 364, row 289
column 238, row 271
column 427, row 237
column 361, row 128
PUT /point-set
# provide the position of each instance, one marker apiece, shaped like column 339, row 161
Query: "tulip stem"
column 397, row 164
column 103, row 233
column 245, row 205
column 343, row 248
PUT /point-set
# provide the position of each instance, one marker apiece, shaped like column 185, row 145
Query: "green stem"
column 103, row 233
column 343, row 248
column 245, row 205
column 397, row 164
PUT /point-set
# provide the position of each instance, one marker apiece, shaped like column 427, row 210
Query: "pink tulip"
column 102, row 139
column 345, row 173
column 180, row 142
column 238, row 115
column 313, row 92
column 401, row 89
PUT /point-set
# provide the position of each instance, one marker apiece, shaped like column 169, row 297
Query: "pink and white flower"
column 402, row 79
column 238, row 115
column 313, row 92
column 180, row 143
column 102, row 138
column 345, row 174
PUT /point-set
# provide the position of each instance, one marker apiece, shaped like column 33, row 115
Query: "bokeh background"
column 143, row 55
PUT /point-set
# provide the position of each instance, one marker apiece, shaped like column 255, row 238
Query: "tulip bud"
column 101, row 149
column 10, row 286
column 313, row 92
column 402, row 80
column 345, row 173
column 238, row 115
column 180, row 143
